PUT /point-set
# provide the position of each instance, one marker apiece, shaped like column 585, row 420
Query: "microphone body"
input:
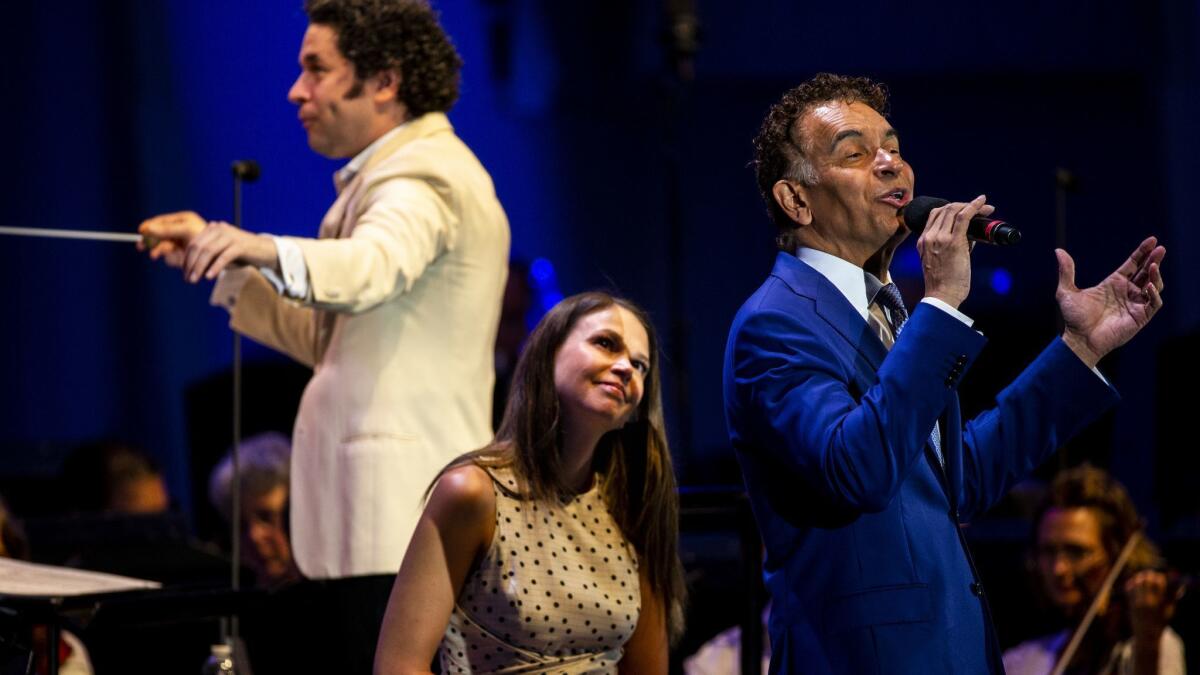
column 981, row 228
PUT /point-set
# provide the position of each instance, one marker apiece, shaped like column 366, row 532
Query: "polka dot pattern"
column 557, row 591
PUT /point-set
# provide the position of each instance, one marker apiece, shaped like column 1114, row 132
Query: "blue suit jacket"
column 866, row 564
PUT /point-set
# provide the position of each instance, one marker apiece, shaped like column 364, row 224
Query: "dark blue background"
column 114, row 111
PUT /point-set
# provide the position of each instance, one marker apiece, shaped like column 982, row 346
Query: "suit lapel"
column 831, row 306
column 425, row 125
column 337, row 222
column 845, row 320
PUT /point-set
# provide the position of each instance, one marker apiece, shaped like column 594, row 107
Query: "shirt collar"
column 856, row 284
column 345, row 174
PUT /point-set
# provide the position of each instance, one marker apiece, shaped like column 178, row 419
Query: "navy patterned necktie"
column 889, row 298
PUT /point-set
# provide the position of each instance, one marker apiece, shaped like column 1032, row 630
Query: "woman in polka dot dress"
column 554, row 548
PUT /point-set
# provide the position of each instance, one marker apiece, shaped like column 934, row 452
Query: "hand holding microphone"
column 981, row 227
column 944, row 245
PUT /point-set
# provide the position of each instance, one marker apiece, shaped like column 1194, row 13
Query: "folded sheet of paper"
column 25, row 578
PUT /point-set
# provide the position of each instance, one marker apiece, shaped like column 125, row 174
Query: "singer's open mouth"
column 896, row 198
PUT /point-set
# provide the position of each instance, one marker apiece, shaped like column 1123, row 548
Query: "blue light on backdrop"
column 568, row 105
column 1001, row 281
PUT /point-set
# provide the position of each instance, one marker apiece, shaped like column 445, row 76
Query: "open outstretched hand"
column 1101, row 318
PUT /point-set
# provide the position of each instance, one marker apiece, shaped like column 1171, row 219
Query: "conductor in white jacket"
column 395, row 305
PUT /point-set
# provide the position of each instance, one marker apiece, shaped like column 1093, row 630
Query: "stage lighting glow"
column 542, row 271
column 1001, row 281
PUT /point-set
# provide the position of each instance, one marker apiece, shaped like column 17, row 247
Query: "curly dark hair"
column 377, row 35
column 779, row 148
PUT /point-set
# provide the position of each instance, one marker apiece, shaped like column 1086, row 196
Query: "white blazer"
column 406, row 282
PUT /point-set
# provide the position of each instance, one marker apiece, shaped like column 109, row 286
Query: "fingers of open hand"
column 1144, row 254
column 1147, row 286
column 1066, row 272
column 1153, row 298
column 1149, row 270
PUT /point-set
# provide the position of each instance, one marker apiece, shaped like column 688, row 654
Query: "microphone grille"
column 916, row 212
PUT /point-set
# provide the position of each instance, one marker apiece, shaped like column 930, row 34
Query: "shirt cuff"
column 950, row 310
column 229, row 286
column 294, row 281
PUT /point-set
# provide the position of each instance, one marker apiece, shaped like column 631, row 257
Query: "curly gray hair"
column 264, row 462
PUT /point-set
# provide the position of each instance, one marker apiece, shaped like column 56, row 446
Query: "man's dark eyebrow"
column 855, row 133
column 843, row 135
column 311, row 59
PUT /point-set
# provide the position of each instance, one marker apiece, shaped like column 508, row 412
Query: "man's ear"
column 792, row 198
column 387, row 86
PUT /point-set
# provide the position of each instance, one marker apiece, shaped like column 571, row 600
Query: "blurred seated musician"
column 1082, row 525
column 519, row 297
column 266, row 547
column 13, row 543
column 113, row 477
column 73, row 658
column 722, row 654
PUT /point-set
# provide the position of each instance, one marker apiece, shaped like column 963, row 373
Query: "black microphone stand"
column 244, row 171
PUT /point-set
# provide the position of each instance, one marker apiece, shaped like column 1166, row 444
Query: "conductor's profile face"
column 332, row 107
column 861, row 178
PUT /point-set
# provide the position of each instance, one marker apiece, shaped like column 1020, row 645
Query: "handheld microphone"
column 245, row 169
column 981, row 228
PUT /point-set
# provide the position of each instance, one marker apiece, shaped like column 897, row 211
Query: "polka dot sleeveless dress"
column 557, row 591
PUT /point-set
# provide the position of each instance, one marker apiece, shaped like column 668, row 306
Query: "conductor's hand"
column 1099, row 319
column 946, row 252
column 167, row 236
column 184, row 240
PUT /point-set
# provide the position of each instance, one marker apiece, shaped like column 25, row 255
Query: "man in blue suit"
column 848, row 429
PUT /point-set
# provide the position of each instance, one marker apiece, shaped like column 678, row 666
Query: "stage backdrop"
column 621, row 163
